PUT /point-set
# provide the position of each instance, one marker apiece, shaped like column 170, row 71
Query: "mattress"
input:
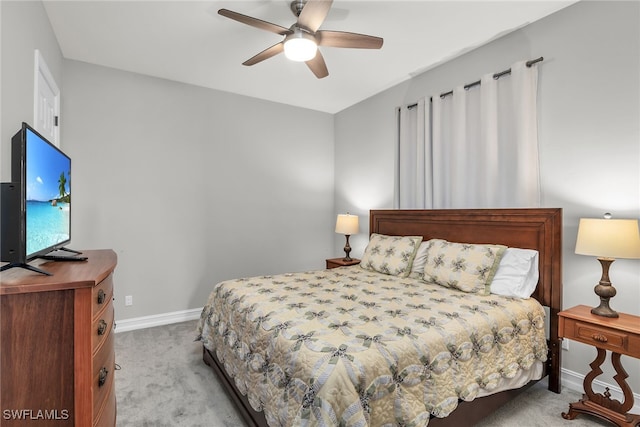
column 352, row 347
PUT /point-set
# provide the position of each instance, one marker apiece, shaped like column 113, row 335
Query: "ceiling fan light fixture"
column 301, row 40
column 300, row 46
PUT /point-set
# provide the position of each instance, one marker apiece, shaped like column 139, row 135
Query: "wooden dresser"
column 57, row 357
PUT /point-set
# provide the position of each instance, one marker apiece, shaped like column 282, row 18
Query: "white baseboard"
column 157, row 320
column 573, row 381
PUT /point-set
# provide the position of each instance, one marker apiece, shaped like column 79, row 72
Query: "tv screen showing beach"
column 48, row 195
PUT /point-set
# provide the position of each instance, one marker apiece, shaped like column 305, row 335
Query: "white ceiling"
column 187, row 41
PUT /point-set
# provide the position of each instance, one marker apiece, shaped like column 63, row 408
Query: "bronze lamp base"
column 605, row 291
column 347, row 250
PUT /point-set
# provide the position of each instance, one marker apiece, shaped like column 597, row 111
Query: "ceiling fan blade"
column 346, row 39
column 254, row 22
column 313, row 14
column 318, row 66
column 265, row 54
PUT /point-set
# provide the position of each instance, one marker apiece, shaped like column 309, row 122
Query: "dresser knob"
column 101, row 296
column 102, row 327
column 102, row 376
column 599, row 337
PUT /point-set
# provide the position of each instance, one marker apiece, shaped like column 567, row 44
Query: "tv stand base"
column 25, row 266
column 63, row 257
column 69, row 250
column 60, row 254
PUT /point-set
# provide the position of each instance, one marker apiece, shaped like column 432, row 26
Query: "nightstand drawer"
column 340, row 262
column 599, row 336
column 620, row 335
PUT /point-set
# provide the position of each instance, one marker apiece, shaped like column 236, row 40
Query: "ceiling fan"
column 302, row 39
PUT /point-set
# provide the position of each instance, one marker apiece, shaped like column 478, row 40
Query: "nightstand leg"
column 601, row 405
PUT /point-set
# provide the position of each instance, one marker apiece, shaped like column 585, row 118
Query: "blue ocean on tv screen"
column 48, row 187
column 48, row 225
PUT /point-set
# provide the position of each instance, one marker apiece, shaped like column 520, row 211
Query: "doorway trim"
column 42, row 75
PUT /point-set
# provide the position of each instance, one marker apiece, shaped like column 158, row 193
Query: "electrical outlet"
column 128, row 300
column 565, row 344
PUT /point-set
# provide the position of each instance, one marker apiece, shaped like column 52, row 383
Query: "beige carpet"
column 162, row 381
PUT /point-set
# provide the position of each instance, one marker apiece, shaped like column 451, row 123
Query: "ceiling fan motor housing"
column 296, row 6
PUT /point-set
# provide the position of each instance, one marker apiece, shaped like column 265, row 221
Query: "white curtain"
column 413, row 191
column 477, row 148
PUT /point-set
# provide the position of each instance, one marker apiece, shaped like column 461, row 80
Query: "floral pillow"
column 463, row 266
column 391, row 255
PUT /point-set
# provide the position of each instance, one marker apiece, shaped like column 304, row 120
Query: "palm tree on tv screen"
column 62, row 181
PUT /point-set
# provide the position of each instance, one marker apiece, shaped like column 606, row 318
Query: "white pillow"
column 517, row 274
column 417, row 269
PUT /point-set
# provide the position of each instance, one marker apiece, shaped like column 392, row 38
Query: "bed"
column 330, row 347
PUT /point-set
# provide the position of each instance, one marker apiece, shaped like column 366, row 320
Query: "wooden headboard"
column 538, row 228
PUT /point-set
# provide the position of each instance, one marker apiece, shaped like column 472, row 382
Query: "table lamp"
column 607, row 239
column 347, row 224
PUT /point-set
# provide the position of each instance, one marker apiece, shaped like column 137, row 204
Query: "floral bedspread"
column 351, row 347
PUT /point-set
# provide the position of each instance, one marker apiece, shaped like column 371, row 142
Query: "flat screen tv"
column 36, row 204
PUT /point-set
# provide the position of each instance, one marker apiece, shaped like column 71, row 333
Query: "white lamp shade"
column 608, row 238
column 347, row 224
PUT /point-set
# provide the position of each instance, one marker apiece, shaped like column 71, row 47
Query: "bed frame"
column 539, row 229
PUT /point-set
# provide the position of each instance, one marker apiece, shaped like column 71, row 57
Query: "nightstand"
column 620, row 336
column 339, row 262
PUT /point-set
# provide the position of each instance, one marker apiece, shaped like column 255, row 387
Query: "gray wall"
column 588, row 131
column 24, row 27
column 192, row 186
column 189, row 186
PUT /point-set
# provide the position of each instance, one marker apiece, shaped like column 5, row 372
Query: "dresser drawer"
column 102, row 327
column 102, row 295
column 103, row 373
column 600, row 336
column 107, row 415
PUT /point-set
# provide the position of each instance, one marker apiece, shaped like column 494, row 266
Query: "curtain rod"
column 495, row 76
